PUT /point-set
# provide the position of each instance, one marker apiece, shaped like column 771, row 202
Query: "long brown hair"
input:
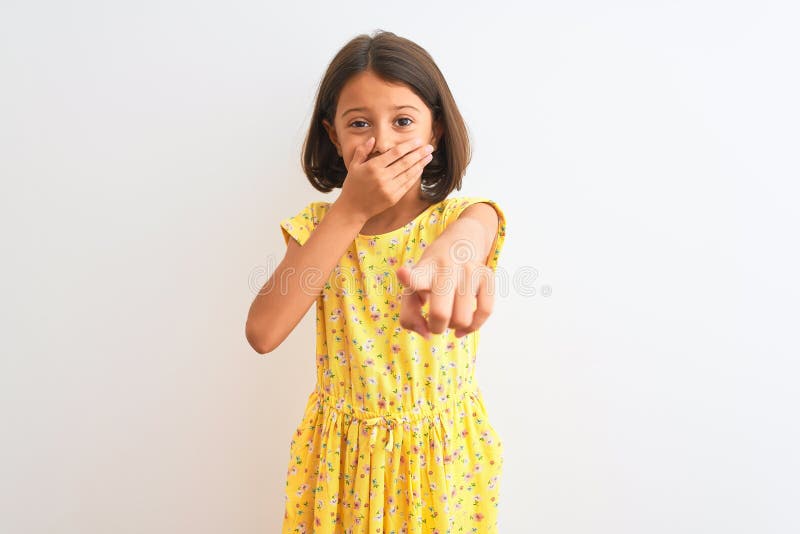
column 395, row 60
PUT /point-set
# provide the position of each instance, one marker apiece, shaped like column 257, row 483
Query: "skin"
column 452, row 288
column 384, row 156
column 390, row 128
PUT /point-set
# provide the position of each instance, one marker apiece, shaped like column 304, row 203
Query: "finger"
column 416, row 281
column 416, row 278
column 485, row 301
column 464, row 301
column 413, row 162
column 414, row 169
column 406, row 180
column 361, row 153
column 441, row 299
column 396, row 152
column 411, row 314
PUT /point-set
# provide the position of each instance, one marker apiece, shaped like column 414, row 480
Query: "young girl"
column 395, row 437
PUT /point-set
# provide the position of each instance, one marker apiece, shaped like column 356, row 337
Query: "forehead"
column 366, row 90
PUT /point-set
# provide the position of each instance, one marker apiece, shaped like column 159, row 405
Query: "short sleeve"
column 301, row 225
column 456, row 205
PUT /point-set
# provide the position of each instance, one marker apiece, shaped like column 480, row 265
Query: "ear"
column 436, row 135
column 332, row 135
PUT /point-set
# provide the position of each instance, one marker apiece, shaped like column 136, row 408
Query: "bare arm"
column 299, row 278
column 447, row 263
column 370, row 187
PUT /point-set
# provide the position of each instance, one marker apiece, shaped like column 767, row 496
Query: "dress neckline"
column 409, row 223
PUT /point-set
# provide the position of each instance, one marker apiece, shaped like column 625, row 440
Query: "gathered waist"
column 390, row 420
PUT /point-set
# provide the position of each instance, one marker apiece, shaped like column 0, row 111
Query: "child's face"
column 378, row 117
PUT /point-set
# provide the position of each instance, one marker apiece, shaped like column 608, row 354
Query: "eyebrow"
column 366, row 109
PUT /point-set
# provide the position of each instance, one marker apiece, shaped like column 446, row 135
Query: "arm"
column 481, row 230
column 446, row 276
column 299, row 278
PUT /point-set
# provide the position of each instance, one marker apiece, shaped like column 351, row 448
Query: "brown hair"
column 396, row 60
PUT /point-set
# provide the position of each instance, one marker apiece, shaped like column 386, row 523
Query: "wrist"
column 348, row 218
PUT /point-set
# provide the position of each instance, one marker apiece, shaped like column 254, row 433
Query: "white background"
column 646, row 156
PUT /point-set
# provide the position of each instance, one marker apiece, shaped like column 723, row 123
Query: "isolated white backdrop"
column 645, row 154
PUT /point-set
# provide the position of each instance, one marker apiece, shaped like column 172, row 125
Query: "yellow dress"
column 395, row 437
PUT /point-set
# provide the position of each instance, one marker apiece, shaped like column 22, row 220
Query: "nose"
column 384, row 140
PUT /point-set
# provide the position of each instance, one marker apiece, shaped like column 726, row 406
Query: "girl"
column 395, row 437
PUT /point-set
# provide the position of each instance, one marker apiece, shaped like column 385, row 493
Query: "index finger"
column 397, row 152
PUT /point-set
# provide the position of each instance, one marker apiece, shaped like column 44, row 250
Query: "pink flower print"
column 372, row 242
column 382, row 403
column 335, row 314
column 487, row 437
column 360, row 397
column 396, row 348
column 392, row 305
column 369, row 344
column 349, row 255
column 369, row 361
column 422, row 243
column 392, row 261
column 478, row 516
column 380, row 330
column 394, row 241
column 450, row 345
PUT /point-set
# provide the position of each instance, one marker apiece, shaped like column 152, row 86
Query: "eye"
column 400, row 119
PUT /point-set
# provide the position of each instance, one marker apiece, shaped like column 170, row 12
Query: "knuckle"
column 460, row 322
column 439, row 316
column 484, row 311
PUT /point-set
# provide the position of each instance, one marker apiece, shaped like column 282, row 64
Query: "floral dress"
column 395, row 437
